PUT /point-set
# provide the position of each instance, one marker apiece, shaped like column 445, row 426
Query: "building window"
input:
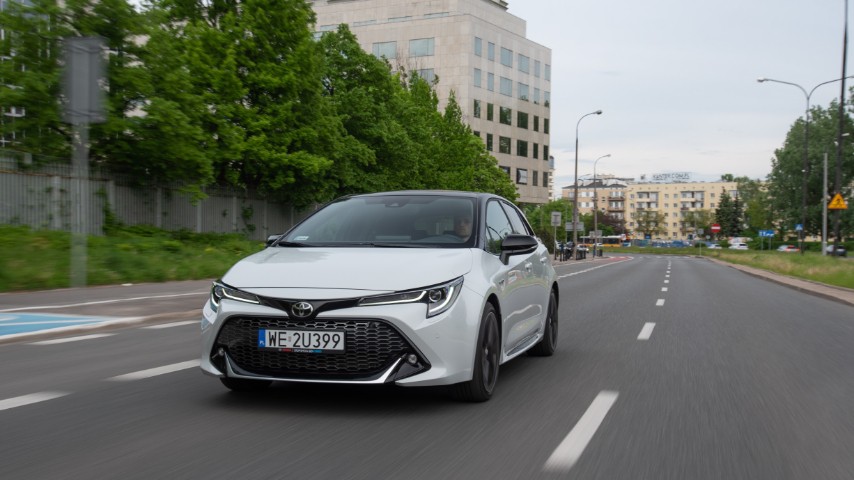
column 522, row 176
column 546, row 125
column 503, row 144
column 490, row 109
column 421, row 47
column 537, row 68
column 545, row 151
column 537, row 150
column 506, row 170
column 490, row 82
column 537, row 96
column 476, row 134
column 427, row 74
column 548, row 72
column 522, row 120
column 490, row 51
column 524, row 67
column 488, row 142
column 506, row 87
column 545, row 179
column 536, row 123
column 523, row 92
column 505, row 116
column 478, row 46
column 385, row 49
column 476, row 111
column 477, row 77
column 547, row 98
column 534, row 179
column 522, row 148
column 507, row 57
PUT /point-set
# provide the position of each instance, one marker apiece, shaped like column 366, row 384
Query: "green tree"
column 785, row 182
column 728, row 215
column 30, row 77
column 696, row 220
column 650, row 222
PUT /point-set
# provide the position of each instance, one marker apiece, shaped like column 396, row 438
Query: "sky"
column 676, row 81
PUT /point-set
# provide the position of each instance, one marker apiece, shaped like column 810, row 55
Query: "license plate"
column 302, row 341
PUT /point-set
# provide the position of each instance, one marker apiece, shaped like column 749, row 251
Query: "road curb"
column 829, row 292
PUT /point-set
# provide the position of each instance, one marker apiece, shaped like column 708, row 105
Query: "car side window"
column 497, row 227
column 516, row 220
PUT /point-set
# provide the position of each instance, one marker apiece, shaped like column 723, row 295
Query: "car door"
column 512, row 281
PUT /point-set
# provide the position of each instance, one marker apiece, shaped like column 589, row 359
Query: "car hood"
column 374, row 269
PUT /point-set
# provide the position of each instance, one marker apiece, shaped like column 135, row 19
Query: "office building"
column 501, row 79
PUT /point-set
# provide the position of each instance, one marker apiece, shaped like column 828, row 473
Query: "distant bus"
column 606, row 241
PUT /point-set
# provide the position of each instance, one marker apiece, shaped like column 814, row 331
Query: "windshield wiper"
column 290, row 244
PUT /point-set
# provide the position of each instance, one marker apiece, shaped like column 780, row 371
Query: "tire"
column 486, row 361
column 244, row 385
column 547, row 346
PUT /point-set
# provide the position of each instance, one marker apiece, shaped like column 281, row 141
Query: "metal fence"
column 42, row 199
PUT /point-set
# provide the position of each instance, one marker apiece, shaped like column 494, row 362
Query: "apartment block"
column 501, row 79
column 626, row 199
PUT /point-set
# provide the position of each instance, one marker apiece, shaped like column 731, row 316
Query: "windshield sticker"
column 301, row 238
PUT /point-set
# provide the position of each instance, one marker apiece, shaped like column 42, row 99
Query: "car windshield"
column 413, row 221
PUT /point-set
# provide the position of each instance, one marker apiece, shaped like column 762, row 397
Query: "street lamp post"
column 575, row 190
column 805, row 169
column 596, row 204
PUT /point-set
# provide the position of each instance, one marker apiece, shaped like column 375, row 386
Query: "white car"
column 413, row 288
column 738, row 246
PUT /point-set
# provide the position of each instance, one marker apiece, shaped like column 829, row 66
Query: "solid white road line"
column 73, row 339
column 170, row 325
column 29, row 399
column 571, row 448
column 101, row 302
column 660, row 302
column 153, row 372
column 646, row 331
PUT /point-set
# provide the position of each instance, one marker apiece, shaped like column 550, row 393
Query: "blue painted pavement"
column 12, row 323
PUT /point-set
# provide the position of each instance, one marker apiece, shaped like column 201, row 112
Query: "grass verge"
column 40, row 260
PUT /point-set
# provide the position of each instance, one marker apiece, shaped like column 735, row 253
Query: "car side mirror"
column 272, row 239
column 516, row 244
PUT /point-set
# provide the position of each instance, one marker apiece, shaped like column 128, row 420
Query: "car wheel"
column 486, row 359
column 244, row 385
column 548, row 344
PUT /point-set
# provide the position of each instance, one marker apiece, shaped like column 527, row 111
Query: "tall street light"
column 596, row 203
column 840, row 133
column 805, row 169
column 575, row 193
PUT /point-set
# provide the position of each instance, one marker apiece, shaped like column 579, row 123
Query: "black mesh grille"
column 371, row 347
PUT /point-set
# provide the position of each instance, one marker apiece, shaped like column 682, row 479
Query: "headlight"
column 438, row 298
column 220, row 291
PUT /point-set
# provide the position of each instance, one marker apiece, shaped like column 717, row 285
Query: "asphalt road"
column 667, row 368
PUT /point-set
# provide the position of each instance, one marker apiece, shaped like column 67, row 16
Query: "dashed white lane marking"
column 660, row 302
column 29, row 399
column 571, row 448
column 667, row 281
column 667, row 276
column 153, row 372
column 646, row 331
column 73, row 339
column 170, row 325
column 663, row 289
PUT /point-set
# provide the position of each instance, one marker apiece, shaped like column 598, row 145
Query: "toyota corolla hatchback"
column 415, row 288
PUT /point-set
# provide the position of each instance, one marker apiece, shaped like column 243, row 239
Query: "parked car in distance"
column 713, row 245
column 412, row 288
column 788, row 248
column 836, row 252
column 738, row 246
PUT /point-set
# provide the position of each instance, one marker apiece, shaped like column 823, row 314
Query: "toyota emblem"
column 302, row 309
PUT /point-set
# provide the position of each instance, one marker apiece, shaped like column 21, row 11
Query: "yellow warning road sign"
column 838, row 203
